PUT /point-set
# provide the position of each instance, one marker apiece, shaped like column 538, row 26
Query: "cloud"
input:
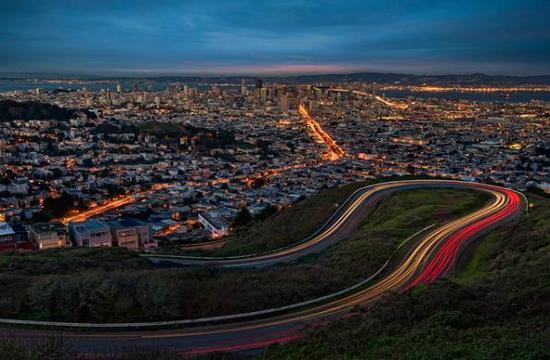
column 277, row 35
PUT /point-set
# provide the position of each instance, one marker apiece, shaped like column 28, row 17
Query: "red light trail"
column 447, row 254
column 433, row 255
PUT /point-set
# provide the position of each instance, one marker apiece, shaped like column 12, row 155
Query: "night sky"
column 274, row 37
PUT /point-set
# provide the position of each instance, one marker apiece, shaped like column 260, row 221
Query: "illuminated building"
column 7, row 235
column 244, row 89
column 124, row 236
column 90, row 233
column 288, row 103
column 49, row 235
column 132, row 234
column 216, row 226
column 263, row 95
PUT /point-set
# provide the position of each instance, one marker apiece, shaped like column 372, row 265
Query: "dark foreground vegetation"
column 33, row 110
column 114, row 285
column 201, row 139
column 54, row 348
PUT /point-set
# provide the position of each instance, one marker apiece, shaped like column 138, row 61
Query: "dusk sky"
column 274, row 37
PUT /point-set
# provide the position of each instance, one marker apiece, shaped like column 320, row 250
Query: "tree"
column 59, row 206
column 243, row 217
column 267, row 212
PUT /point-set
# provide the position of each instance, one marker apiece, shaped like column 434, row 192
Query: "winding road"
column 433, row 255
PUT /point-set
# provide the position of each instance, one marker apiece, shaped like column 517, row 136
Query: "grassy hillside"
column 292, row 224
column 497, row 308
column 288, row 226
column 302, row 219
column 69, row 261
column 83, row 284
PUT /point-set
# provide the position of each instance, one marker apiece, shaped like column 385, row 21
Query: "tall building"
column 215, row 90
column 288, row 103
column 263, row 95
column 119, row 88
column 244, row 89
column 258, row 83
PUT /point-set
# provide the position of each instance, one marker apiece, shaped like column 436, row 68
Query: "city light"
column 335, row 152
column 217, row 178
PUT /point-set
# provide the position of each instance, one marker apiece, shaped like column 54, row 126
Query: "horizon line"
column 156, row 75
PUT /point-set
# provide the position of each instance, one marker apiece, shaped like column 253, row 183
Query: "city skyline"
column 297, row 179
column 275, row 38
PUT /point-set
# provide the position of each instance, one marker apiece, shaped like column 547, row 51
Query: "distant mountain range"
column 470, row 79
column 406, row 79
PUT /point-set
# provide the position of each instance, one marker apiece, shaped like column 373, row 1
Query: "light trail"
column 433, row 255
column 447, row 255
column 110, row 205
column 335, row 151
column 340, row 218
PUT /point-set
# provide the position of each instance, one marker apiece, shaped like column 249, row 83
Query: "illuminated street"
column 335, row 152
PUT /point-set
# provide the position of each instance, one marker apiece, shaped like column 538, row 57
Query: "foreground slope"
column 496, row 306
column 279, row 326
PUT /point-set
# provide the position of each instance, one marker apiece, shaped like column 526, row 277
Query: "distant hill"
column 33, row 110
column 406, row 79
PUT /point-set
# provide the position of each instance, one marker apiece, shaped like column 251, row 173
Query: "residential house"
column 49, row 235
column 91, row 233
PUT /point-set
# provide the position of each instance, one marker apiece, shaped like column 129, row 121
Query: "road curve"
column 433, row 255
column 343, row 222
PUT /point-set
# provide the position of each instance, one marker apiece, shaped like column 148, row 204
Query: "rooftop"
column 215, row 221
column 127, row 222
column 45, row 227
column 5, row 229
column 90, row 225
